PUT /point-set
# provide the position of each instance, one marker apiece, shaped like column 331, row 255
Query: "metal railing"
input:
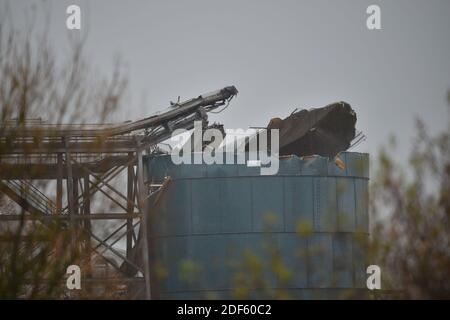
column 33, row 195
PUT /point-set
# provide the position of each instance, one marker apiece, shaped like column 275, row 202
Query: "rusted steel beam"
column 10, row 171
column 92, row 216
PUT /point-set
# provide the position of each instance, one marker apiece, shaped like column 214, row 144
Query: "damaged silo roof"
column 322, row 131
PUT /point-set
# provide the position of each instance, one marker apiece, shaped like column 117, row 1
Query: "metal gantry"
column 87, row 159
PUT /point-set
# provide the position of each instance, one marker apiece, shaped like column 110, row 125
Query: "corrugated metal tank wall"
column 225, row 231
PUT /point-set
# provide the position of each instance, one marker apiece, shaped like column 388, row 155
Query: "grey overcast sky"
column 281, row 55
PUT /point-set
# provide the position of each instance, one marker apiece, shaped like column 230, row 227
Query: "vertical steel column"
column 69, row 180
column 142, row 195
column 59, row 184
column 130, row 207
column 76, row 207
column 86, row 207
column 86, row 225
column 86, row 201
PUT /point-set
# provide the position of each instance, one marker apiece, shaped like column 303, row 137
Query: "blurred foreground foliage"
column 38, row 81
column 33, row 259
column 410, row 212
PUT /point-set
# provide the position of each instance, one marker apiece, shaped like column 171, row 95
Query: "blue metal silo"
column 225, row 231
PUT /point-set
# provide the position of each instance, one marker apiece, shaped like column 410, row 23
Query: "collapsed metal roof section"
column 322, row 131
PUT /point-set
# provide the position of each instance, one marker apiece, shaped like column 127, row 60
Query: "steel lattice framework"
column 87, row 158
